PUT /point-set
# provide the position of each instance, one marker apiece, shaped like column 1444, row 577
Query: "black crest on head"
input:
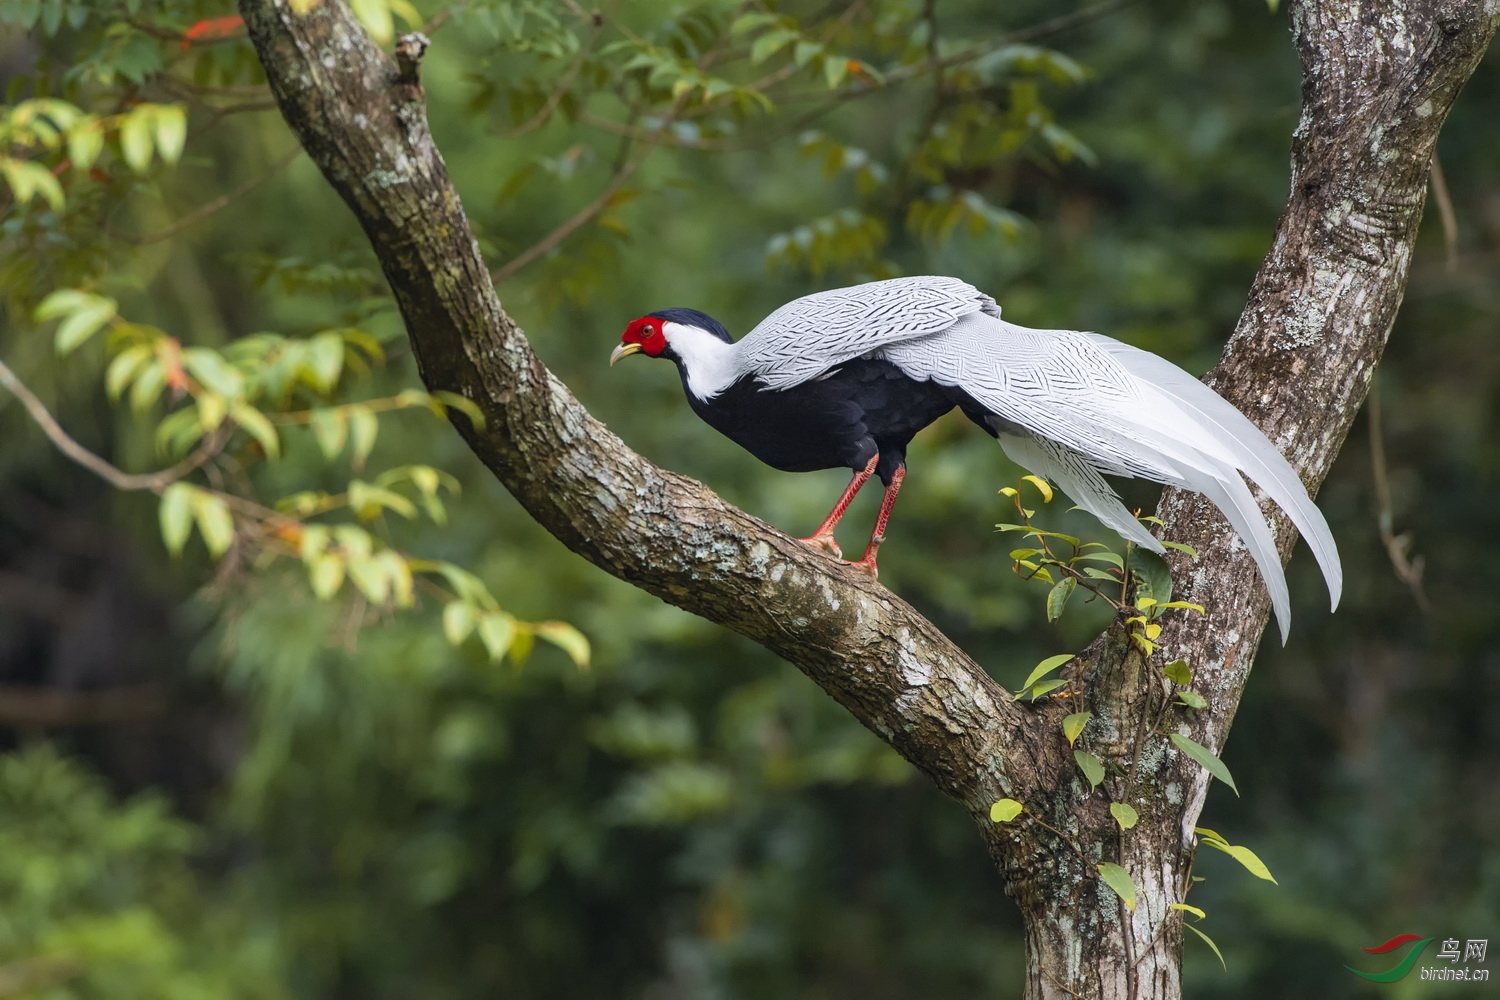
column 692, row 317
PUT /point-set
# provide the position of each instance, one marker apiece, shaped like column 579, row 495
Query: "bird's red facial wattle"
column 643, row 336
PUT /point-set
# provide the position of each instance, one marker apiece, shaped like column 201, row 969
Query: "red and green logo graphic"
column 1402, row 967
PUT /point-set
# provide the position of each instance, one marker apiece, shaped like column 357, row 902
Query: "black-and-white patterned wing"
column 809, row 336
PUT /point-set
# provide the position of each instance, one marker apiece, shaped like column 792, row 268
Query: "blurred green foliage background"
column 214, row 785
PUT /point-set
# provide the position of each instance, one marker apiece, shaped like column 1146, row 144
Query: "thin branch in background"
column 1445, row 213
column 1408, row 569
column 209, row 208
column 624, row 170
column 153, row 481
column 582, row 216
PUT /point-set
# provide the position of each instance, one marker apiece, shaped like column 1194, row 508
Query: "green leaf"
column 375, row 15
column 124, row 368
column 1041, row 688
column 28, row 179
column 1181, row 547
column 520, row 646
column 1046, row 667
column 148, row 386
column 1005, row 810
column 85, row 143
column 215, row 523
column 211, row 410
column 1192, row 699
column 1120, row 881
column 463, row 404
column 497, row 631
column 209, row 367
column 1244, row 856
column 170, row 121
column 325, row 359
column 176, row 516
column 458, row 622
column 1057, row 597
column 1042, row 487
column 566, row 638
column 1125, row 815
column 1187, row 909
column 135, row 138
column 363, row 427
column 330, row 431
column 835, row 68
column 1178, row 672
column 1186, row 605
column 1204, row 756
column 60, row 303
column 1113, row 558
column 1152, row 578
column 325, row 573
column 257, row 426
column 1073, row 725
column 770, row 43
column 803, row 52
column 372, row 577
column 1091, row 766
column 1208, row 940
column 87, row 317
column 748, row 22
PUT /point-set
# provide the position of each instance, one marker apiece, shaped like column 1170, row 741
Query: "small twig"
column 1061, row 836
column 409, row 52
column 1407, row 569
column 209, row 208
column 153, row 481
column 1059, row 984
column 1445, row 213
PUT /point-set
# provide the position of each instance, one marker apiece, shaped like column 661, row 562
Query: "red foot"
column 825, row 543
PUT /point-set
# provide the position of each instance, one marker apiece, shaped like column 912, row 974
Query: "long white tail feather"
column 1253, row 453
column 1075, row 405
column 1233, row 497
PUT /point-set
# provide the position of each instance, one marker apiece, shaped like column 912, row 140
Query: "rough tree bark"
column 1379, row 79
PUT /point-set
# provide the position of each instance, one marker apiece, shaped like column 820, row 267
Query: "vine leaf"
column 1204, row 756
column 1208, row 941
column 1057, row 597
column 1005, row 810
column 1243, row 855
column 1046, row 667
column 1092, row 767
column 1073, row 725
column 1120, row 881
column 1124, row 814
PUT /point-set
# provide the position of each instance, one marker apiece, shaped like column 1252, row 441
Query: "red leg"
column 878, row 535
column 823, row 537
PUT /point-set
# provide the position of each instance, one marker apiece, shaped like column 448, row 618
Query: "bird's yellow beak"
column 623, row 351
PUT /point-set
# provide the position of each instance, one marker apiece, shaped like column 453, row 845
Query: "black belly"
column 841, row 419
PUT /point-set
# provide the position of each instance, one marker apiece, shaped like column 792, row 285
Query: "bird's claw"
column 824, row 542
column 867, row 566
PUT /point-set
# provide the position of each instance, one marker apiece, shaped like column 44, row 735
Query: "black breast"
column 841, row 419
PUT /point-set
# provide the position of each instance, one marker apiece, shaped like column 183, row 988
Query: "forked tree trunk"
column 1379, row 79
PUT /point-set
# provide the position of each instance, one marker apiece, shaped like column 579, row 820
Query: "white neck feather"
column 711, row 365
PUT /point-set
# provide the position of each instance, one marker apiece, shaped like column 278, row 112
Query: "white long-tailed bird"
column 848, row 377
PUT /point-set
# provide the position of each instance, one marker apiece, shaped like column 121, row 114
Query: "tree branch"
column 153, row 481
column 1379, row 78
column 895, row 671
